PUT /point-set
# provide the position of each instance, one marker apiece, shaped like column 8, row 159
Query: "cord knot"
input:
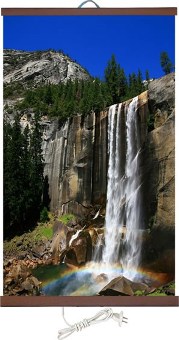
column 82, row 324
column 109, row 313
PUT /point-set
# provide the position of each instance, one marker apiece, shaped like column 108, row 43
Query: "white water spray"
column 123, row 210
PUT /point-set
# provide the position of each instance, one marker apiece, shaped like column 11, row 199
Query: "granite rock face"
column 162, row 144
column 39, row 67
column 161, row 151
column 75, row 157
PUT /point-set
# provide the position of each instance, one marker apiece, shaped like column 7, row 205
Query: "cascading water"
column 123, row 210
column 119, row 254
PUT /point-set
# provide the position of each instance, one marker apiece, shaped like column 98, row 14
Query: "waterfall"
column 123, row 209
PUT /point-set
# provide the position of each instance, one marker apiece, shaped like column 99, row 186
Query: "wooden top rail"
column 90, row 11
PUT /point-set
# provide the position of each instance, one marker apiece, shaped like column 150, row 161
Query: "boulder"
column 70, row 258
column 80, row 250
column 82, row 247
column 27, row 285
column 38, row 251
column 123, row 286
column 59, row 240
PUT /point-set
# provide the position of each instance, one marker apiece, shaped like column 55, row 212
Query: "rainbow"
column 94, row 270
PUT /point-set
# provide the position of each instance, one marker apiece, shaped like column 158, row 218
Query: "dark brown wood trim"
column 90, row 11
column 129, row 301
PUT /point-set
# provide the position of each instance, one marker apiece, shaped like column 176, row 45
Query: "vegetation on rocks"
column 165, row 290
column 66, row 218
column 42, row 232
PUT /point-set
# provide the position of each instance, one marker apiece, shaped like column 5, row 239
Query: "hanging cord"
column 85, row 2
column 101, row 316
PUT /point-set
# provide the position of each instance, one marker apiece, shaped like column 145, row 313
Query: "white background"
column 43, row 323
column 32, row 323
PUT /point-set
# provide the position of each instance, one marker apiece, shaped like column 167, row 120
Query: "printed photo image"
column 89, row 160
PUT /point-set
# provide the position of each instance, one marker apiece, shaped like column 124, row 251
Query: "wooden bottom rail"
column 50, row 301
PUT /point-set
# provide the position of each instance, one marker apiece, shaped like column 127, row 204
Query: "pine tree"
column 48, row 95
column 97, row 95
column 13, row 175
column 132, row 89
column 122, row 81
column 111, row 78
column 166, row 63
column 147, row 76
column 140, row 86
column 23, row 176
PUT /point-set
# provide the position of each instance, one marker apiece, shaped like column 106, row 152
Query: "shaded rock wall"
column 75, row 158
column 161, row 150
column 159, row 248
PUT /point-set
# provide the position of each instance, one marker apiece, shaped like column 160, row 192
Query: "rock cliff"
column 76, row 156
column 161, row 143
column 76, row 162
column 160, row 176
column 33, row 68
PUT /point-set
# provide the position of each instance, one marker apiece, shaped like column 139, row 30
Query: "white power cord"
column 101, row 316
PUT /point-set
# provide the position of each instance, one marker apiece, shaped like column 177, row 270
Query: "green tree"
column 44, row 215
column 122, row 83
column 112, row 78
column 166, row 63
column 132, row 89
column 23, row 176
column 13, row 176
column 48, row 95
column 147, row 75
column 140, row 85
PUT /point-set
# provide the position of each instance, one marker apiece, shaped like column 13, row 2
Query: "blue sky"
column 136, row 41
